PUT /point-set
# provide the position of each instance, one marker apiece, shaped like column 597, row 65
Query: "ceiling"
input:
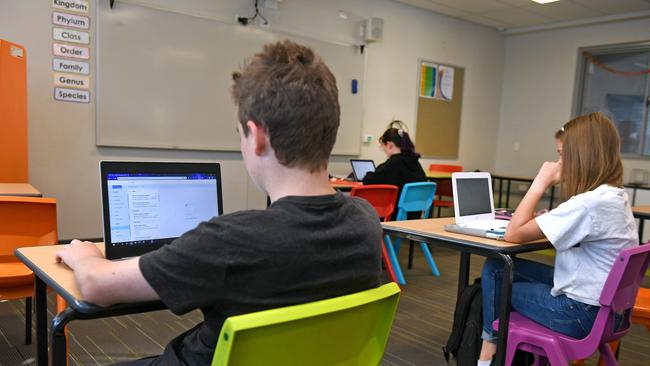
column 512, row 14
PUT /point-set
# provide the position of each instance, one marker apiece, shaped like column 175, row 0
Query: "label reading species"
column 71, row 80
column 71, row 51
column 67, row 35
column 77, row 67
column 71, row 20
column 80, row 6
column 72, row 95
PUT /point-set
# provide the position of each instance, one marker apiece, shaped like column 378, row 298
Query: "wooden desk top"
column 342, row 183
column 438, row 175
column 641, row 211
column 434, row 229
column 41, row 261
column 18, row 189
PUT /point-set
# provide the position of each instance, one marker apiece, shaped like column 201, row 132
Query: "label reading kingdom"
column 72, row 5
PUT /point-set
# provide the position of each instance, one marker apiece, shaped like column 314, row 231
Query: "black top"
column 398, row 170
column 298, row 250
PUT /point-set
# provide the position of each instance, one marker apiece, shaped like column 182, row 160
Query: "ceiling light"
column 545, row 1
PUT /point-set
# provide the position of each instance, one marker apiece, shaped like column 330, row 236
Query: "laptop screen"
column 361, row 167
column 147, row 205
column 473, row 196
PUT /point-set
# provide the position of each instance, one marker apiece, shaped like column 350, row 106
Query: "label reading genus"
column 72, row 5
column 77, row 67
column 72, row 95
column 71, row 20
column 67, row 35
column 71, row 51
column 71, row 80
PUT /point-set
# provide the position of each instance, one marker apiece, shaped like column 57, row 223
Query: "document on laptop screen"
column 149, row 207
column 473, row 196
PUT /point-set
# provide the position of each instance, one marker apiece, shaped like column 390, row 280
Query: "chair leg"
column 397, row 245
column 28, row 320
column 386, row 259
column 606, row 355
column 388, row 244
column 427, row 255
column 615, row 346
column 410, row 265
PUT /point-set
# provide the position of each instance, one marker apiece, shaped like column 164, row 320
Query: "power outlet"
column 366, row 138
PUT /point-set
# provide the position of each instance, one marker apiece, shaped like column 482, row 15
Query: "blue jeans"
column 531, row 297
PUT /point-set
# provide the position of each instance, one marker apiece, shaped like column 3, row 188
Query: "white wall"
column 64, row 158
column 538, row 90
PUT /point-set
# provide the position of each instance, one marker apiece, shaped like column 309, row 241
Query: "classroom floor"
column 420, row 330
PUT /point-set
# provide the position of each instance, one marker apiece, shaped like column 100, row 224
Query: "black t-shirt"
column 298, row 250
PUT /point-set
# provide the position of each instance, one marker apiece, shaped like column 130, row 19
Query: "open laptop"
column 148, row 204
column 361, row 167
column 474, row 206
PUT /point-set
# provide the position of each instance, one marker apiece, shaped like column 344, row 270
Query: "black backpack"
column 465, row 340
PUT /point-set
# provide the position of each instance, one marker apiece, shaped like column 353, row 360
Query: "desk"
column 438, row 175
column 58, row 276
column 635, row 187
column 642, row 213
column 432, row 231
column 19, row 189
column 344, row 185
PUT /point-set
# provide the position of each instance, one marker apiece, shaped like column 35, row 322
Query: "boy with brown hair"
column 311, row 243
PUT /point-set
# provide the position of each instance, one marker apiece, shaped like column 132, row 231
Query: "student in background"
column 312, row 242
column 588, row 231
column 403, row 165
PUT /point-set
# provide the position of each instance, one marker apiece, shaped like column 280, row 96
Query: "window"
column 615, row 80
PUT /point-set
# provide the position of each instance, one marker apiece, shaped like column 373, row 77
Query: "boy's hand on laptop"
column 77, row 251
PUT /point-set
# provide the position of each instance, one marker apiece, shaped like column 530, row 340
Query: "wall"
column 538, row 90
column 64, row 159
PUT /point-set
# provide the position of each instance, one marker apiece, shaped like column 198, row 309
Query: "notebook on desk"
column 146, row 205
column 361, row 167
column 474, row 206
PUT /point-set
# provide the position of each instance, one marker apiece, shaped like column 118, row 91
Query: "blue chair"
column 415, row 197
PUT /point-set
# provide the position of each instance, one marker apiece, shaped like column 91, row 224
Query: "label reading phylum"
column 71, row 51
column 78, row 67
column 71, row 80
column 67, row 35
column 71, row 20
column 72, row 95
column 72, row 5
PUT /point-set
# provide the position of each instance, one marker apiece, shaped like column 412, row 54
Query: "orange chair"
column 383, row 198
column 24, row 221
column 444, row 188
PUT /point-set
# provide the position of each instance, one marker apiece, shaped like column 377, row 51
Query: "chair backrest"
column 347, row 330
column 445, row 168
column 416, row 197
column 26, row 221
column 383, row 197
column 622, row 285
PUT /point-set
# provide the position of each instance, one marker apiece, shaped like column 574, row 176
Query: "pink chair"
column 618, row 296
column 383, row 198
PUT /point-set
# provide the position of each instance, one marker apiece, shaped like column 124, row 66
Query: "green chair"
column 347, row 330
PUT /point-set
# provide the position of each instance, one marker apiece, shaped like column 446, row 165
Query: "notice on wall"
column 70, row 20
column 446, row 83
column 72, row 36
column 72, row 95
column 428, row 79
column 71, row 50
column 71, row 80
column 80, row 6
column 77, row 67
column 436, row 81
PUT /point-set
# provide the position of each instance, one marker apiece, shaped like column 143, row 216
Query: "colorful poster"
column 428, row 78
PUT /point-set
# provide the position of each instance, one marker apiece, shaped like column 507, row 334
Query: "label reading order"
column 72, row 95
column 71, row 51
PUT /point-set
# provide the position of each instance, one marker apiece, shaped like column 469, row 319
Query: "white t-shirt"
column 588, row 231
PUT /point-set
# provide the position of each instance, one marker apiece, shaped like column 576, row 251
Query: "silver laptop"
column 361, row 167
column 474, row 206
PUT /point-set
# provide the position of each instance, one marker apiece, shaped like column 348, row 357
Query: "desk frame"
column 77, row 309
column 466, row 247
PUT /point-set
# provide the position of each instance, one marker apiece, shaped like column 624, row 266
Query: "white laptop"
column 474, row 206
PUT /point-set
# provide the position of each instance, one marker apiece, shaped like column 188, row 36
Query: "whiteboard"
column 164, row 79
